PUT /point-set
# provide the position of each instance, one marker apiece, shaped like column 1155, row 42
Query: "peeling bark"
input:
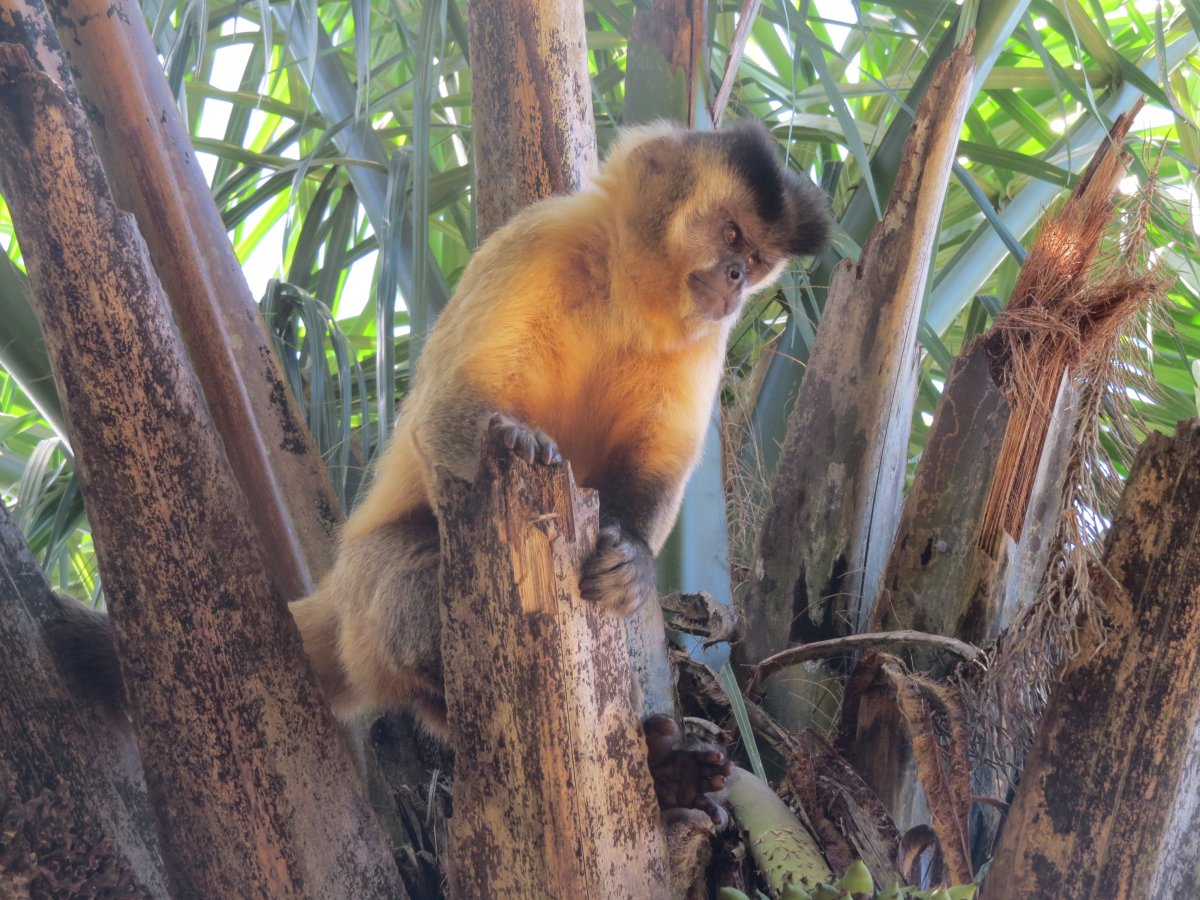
column 552, row 792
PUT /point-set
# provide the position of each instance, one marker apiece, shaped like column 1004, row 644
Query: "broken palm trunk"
column 1106, row 804
column 977, row 524
column 251, row 788
column 552, row 790
column 836, row 496
column 1000, row 466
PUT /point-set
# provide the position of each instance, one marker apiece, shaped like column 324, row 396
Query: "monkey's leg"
column 389, row 643
column 620, row 573
column 636, row 513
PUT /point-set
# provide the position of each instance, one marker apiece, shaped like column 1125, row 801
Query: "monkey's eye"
column 732, row 234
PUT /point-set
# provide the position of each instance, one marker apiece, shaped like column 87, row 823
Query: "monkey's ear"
column 808, row 219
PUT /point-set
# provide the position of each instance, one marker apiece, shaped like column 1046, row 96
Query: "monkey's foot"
column 684, row 772
column 619, row 575
column 530, row 444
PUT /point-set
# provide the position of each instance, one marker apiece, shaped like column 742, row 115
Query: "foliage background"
column 307, row 118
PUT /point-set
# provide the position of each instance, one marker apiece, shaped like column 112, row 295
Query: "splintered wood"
column 1054, row 318
column 979, row 521
column 552, row 792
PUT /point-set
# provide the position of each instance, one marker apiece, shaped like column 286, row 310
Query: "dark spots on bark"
column 1047, row 876
column 927, row 553
column 292, row 437
column 819, row 618
column 327, row 512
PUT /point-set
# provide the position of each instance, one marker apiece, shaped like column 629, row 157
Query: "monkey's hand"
column 619, row 575
column 684, row 773
column 530, row 444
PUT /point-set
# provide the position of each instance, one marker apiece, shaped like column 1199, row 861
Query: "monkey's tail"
column 83, row 642
column 317, row 618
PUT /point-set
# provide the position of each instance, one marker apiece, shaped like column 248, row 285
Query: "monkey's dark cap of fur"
column 780, row 195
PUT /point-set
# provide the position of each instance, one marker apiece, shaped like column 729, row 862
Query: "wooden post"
column 1098, row 812
column 552, row 793
column 251, row 787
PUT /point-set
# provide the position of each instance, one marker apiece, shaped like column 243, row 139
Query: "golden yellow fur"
column 580, row 318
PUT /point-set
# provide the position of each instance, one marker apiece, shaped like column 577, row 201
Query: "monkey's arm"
column 637, row 510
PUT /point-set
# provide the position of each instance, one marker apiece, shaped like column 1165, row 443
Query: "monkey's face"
column 711, row 216
column 742, row 266
column 744, row 218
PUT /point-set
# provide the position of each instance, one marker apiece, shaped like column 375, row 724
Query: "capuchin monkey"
column 591, row 328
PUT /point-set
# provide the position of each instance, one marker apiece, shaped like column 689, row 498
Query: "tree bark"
column 667, row 70
column 835, row 499
column 939, row 580
column 552, row 793
column 251, row 787
column 531, row 98
column 53, row 743
column 1101, row 806
column 148, row 157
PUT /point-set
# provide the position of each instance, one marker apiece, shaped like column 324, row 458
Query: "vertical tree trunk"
column 939, row 579
column 531, row 102
column 1099, row 801
column 836, row 497
column 552, row 794
column 251, row 787
column 53, row 743
column 148, row 157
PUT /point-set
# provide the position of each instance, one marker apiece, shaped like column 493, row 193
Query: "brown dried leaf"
column 937, row 729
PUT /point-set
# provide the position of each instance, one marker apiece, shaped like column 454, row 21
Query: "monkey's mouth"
column 712, row 303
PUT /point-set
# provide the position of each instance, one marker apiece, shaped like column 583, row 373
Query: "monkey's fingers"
column 662, row 737
column 530, row 444
column 684, row 774
column 619, row 575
